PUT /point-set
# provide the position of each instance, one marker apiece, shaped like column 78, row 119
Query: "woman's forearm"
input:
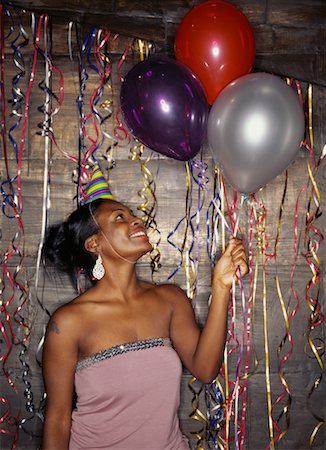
column 210, row 348
column 56, row 433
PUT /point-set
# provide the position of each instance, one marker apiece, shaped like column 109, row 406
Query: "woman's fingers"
column 239, row 259
column 243, row 268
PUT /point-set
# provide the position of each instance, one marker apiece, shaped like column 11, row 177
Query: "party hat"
column 98, row 187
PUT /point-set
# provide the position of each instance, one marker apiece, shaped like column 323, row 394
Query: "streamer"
column 147, row 195
column 46, row 131
column 9, row 421
column 250, row 350
column 262, row 244
column 214, row 394
column 186, row 260
column 287, row 320
column 197, row 415
column 313, row 239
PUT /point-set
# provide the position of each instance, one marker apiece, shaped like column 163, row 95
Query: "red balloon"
column 216, row 41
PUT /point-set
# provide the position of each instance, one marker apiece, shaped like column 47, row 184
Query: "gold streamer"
column 261, row 243
column 218, row 440
column 311, row 135
column 191, row 278
column 254, row 291
column 256, row 363
column 314, row 267
column 148, row 205
column 196, row 414
column 143, row 47
column 187, row 262
column 286, row 408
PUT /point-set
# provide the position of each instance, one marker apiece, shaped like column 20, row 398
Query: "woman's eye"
column 119, row 216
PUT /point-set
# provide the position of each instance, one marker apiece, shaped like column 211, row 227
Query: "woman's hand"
column 228, row 265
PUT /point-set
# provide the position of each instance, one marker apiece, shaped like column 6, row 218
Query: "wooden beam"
column 290, row 38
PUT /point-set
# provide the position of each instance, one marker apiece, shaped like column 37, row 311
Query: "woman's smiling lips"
column 138, row 233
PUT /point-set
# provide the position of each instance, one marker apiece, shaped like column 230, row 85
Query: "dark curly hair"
column 64, row 244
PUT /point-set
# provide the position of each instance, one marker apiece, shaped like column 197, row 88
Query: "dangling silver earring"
column 98, row 270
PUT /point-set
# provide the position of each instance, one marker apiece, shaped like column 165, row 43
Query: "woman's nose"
column 136, row 220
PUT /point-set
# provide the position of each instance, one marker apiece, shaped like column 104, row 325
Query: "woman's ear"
column 91, row 244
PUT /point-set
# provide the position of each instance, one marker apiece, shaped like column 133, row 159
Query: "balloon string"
column 262, row 244
column 214, row 395
column 219, row 211
column 230, row 209
column 238, row 388
column 225, row 368
column 212, row 222
column 229, row 393
column 234, row 400
column 253, row 276
column 239, row 430
column 233, row 394
column 198, row 170
column 263, row 256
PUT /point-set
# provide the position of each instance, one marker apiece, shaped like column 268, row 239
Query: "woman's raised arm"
column 202, row 352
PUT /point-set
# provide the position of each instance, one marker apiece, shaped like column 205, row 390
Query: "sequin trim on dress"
column 121, row 349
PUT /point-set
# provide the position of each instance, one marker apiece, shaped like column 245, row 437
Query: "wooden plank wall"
column 290, row 37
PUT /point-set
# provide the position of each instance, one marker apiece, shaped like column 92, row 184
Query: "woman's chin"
column 147, row 249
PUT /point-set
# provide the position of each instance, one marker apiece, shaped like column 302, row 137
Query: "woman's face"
column 123, row 234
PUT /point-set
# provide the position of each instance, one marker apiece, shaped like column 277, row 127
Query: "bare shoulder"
column 65, row 319
column 172, row 289
column 172, row 294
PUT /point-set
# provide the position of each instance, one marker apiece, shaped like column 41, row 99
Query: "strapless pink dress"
column 128, row 398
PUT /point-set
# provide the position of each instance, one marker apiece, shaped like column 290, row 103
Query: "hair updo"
column 64, row 244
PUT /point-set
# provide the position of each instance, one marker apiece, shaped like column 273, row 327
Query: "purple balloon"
column 165, row 107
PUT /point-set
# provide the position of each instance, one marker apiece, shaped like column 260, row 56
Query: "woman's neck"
column 120, row 280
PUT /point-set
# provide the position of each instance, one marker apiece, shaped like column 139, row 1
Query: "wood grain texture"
column 290, row 41
column 287, row 26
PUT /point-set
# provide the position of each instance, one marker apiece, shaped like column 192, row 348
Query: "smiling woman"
column 121, row 344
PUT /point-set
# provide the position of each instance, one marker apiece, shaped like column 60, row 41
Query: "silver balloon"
column 255, row 128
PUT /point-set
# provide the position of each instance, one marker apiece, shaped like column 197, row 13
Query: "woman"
column 114, row 342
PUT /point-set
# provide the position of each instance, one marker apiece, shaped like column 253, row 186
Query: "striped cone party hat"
column 98, row 187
